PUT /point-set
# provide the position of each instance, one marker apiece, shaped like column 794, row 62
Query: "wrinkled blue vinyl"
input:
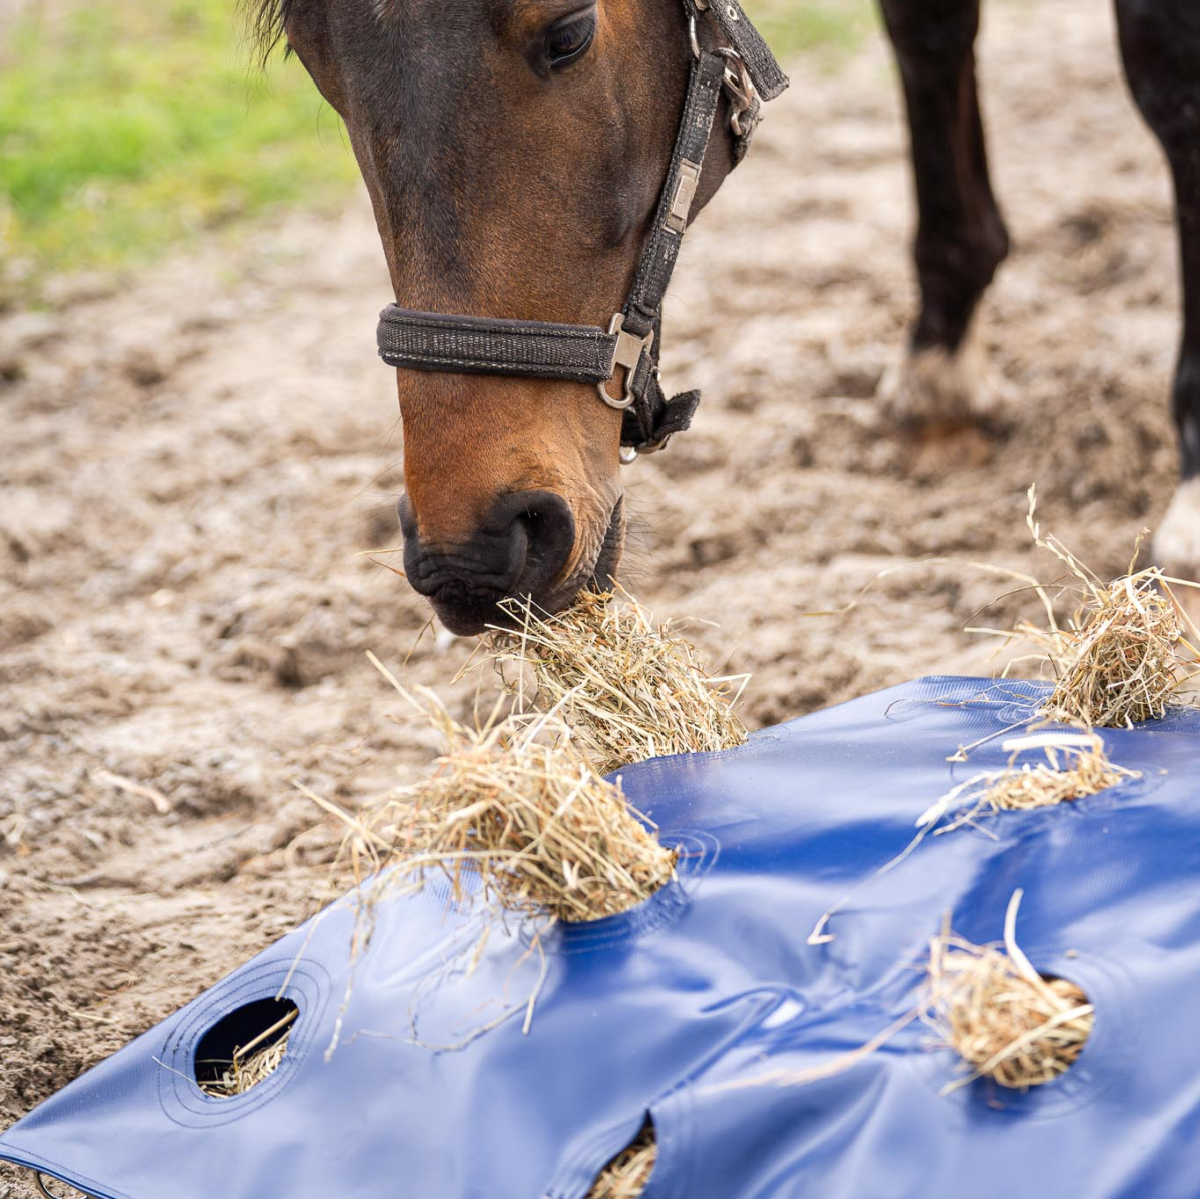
column 696, row 1005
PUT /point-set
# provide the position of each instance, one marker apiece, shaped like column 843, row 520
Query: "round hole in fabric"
column 1018, row 1032
column 244, row 1047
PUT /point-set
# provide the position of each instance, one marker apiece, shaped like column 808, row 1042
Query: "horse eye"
column 569, row 39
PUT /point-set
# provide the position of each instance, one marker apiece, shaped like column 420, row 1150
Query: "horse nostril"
column 545, row 520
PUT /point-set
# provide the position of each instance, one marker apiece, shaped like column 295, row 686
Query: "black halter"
column 746, row 71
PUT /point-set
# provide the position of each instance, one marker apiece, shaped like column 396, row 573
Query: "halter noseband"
column 747, row 73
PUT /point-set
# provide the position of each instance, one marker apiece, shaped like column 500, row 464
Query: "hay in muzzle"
column 630, row 689
column 1004, row 1020
column 1127, row 650
column 251, row 1063
column 515, row 816
column 627, row 1173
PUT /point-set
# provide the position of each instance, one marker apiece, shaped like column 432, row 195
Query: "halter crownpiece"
column 626, row 353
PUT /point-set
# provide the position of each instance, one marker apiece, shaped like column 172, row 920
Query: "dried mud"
column 195, row 456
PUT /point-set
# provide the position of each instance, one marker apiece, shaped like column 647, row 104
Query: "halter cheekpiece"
column 627, row 351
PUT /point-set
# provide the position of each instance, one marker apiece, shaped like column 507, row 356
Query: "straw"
column 253, row 1062
column 1076, row 766
column 626, row 1175
column 1004, row 1020
column 513, row 816
column 630, row 689
column 1127, row 650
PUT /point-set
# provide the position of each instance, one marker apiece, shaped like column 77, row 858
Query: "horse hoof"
column 1177, row 543
column 933, row 386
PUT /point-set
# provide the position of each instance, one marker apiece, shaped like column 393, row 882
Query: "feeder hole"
column 626, row 1174
column 236, row 1039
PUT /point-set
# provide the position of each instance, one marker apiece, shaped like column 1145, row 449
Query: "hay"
column 626, row 1175
column 630, row 689
column 1124, row 654
column 514, row 815
column 1004, row 1020
column 1076, row 766
column 253, row 1062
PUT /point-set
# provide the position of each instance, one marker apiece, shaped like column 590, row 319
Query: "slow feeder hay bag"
column 630, row 689
column 680, row 1008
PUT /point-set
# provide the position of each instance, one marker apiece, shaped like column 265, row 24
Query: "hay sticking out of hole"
column 1124, row 654
column 1076, row 765
column 516, row 811
column 253, row 1062
column 630, row 689
column 1004, row 1020
column 627, row 1173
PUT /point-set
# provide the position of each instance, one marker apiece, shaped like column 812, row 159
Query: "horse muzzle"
column 520, row 549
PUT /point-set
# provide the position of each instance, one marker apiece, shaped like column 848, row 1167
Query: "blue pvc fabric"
column 690, row 1006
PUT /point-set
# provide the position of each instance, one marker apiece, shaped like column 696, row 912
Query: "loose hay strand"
column 630, row 689
column 1003, row 1019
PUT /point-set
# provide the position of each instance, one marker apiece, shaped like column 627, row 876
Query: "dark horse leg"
column 961, row 238
column 1160, row 45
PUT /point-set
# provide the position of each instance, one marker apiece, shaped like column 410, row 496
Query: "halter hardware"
column 745, row 73
column 627, row 354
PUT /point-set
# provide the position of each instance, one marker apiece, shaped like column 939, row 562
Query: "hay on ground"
column 1127, row 650
column 627, row 1173
column 253, row 1062
column 630, row 689
column 1005, row 1021
column 516, row 813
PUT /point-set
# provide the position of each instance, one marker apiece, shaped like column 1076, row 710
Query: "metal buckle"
column 739, row 87
column 627, row 353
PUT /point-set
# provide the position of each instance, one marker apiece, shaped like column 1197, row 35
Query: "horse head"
column 516, row 153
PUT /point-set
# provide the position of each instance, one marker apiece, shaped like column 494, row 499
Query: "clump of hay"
column 627, row 1173
column 630, row 689
column 1124, row 654
column 1076, row 766
column 515, row 812
column 251, row 1063
column 1004, row 1020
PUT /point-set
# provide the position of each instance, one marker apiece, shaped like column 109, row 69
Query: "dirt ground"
column 194, row 458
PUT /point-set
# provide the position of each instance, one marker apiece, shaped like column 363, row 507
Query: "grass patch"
column 831, row 29
column 126, row 127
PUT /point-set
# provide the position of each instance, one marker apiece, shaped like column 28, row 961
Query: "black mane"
column 264, row 20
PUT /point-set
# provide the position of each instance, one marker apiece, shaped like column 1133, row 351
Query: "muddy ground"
column 193, row 459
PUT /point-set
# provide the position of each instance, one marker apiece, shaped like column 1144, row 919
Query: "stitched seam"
column 491, row 363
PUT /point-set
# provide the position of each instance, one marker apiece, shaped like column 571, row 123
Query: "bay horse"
column 526, row 161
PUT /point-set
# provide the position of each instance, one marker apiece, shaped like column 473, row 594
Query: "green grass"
column 829, row 29
column 128, row 125
column 125, row 126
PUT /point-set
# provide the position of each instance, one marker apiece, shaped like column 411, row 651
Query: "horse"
column 961, row 237
column 528, row 160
